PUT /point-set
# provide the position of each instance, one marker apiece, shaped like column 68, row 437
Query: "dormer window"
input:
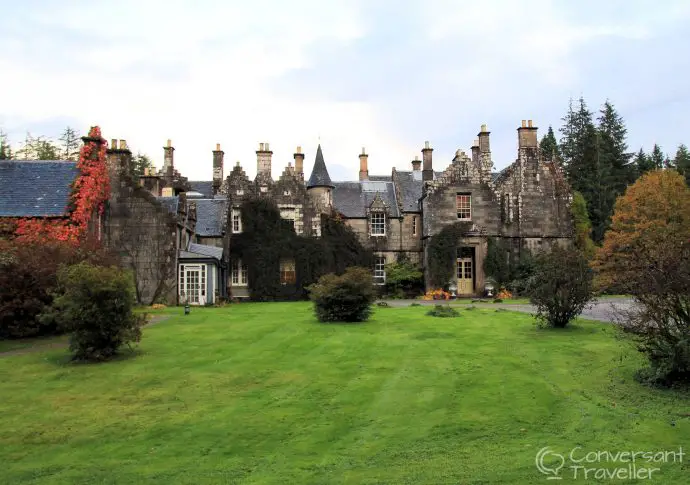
column 264, row 189
column 236, row 221
column 286, row 192
column 378, row 224
column 239, row 192
column 464, row 206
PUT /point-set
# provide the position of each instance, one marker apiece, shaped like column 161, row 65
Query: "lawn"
column 263, row 394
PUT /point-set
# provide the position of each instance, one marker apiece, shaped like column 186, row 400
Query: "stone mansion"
column 184, row 228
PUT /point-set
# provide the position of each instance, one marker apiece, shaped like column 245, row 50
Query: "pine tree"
column 614, row 148
column 587, row 171
column 39, row 148
column 657, row 157
column 643, row 163
column 548, row 146
column 139, row 163
column 682, row 162
column 70, row 144
column 5, row 148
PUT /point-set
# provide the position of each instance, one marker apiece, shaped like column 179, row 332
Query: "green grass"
column 263, row 394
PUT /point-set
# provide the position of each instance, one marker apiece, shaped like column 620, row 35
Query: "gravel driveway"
column 603, row 310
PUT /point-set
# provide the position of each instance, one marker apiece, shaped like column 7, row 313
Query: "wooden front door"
column 465, row 280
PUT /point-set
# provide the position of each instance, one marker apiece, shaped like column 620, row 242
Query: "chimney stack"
column 416, row 164
column 168, row 162
column 217, row 169
column 483, row 135
column 299, row 162
column 119, row 157
column 475, row 151
column 428, row 170
column 527, row 135
column 363, row 165
column 263, row 161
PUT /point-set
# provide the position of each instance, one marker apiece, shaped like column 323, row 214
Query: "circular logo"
column 549, row 463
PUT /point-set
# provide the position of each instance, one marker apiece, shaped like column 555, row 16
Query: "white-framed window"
column 239, row 192
column 294, row 215
column 264, row 189
column 464, row 206
column 316, row 227
column 236, row 221
column 288, row 274
column 379, row 270
column 239, row 273
column 378, row 224
column 414, row 225
column 192, row 289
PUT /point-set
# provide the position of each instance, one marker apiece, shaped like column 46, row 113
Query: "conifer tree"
column 682, row 162
column 657, row 157
column 70, row 144
column 614, row 148
column 643, row 163
column 548, row 146
column 5, row 148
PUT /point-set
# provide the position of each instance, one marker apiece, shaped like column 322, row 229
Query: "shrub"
column 561, row 286
column 95, row 307
column 443, row 311
column 344, row 298
column 404, row 279
column 498, row 300
column 382, row 304
column 415, row 304
column 28, row 279
column 646, row 253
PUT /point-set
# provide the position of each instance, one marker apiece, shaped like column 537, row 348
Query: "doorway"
column 465, row 270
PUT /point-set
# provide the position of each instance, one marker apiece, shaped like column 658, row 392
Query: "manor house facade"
column 527, row 205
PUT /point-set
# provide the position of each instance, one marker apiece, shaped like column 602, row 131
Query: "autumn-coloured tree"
column 646, row 253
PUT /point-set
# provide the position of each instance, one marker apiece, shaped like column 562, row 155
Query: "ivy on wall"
column 89, row 194
column 266, row 239
column 442, row 253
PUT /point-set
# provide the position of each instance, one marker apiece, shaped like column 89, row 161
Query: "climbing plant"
column 89, row 194
column 266, row 239
column 442, row 251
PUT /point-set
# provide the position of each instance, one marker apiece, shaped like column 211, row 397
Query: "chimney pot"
column 476, row 142
column 169, row 142
column 238, row 163
column 524, row 123
column 416, row 158
column 364, row 152
column 426, row 144
column 529, row 123
column 123, row 145
column 113, row 144
column 261, row 147
column 483, row 129
column 217, row 147
column 266, row 146
column 299, row 149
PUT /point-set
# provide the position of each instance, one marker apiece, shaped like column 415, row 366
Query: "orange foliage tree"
column 89, row 194
column 646, row 253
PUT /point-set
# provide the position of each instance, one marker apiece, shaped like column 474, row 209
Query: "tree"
column 548, row 146
column 643, row 163
column 614, row 148
column 646, row 254
column 344, row 298
column 70, row 144
column 5, row 148
column 561, row 287
column 39, row 148
column 139, row 165
column 583, row 226
column 657, row 157
column 682, row 162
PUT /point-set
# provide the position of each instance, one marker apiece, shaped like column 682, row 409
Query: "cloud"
column 384, row 75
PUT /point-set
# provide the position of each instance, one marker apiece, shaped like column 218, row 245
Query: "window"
column 292, row 214
column 239, row 273
column 203, row 281
column 239, row 192
column 378, row 224
column 379, row 270
column 464, row 206
column 236, row 221
column 287, row 272
column 316, row 227
column 414, row 225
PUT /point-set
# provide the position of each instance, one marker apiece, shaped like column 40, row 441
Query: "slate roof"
column 410, row 185
column 319, row 174
column 202, row 251
column 210, row 216
column 352, row 199
column 169, row 203
column 204, row 187
column 32, row 188
column 380, row 178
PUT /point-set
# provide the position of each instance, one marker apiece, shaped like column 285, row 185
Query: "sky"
column 384, row 75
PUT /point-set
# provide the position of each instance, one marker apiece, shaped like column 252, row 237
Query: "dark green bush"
column 404, row 279
column 95, row 307
column 561, row 287
column 498, row 300
column 344, row 298
column 415, row 304
column 443, row 311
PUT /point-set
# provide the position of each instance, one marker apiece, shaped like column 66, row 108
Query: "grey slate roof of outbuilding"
column 32, row 188
column 352, row 199
column 210, row 216
column 169, row 203
column 201, row 251
column 319, row 174
column 204, row 187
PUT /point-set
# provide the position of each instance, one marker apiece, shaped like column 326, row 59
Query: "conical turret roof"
column 319, row 174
